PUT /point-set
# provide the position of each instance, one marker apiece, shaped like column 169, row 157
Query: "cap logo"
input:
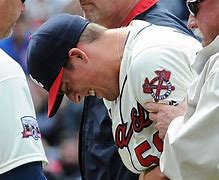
column 34, row 80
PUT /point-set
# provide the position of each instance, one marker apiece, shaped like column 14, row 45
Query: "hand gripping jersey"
column 156, row 67
column 192, row 141
column 20, row 139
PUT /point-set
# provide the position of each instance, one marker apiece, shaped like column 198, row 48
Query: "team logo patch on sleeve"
column 30, row 127
column 159, row 87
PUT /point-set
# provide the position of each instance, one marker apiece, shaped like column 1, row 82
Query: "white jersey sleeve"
column 20, row 139
column 161, row 74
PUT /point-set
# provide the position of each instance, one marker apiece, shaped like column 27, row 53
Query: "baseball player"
column 22, row 153
column 101, row 152
column 126, row 67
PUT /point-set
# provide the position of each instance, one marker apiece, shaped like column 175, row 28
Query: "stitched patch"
column 30, row 127
column 159, row 87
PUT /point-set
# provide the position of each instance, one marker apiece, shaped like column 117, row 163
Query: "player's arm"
column 161, row 74
column 157, row 79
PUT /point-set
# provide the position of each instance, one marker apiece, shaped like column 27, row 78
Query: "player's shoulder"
column 162, row 38
column 9, row 67
column 158, row 34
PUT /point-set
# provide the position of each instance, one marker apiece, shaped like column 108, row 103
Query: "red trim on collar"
column 140, row 7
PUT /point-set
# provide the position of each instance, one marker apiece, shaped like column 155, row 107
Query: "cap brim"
column 55, row 98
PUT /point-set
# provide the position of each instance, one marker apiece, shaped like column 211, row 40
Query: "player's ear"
column 78, row 54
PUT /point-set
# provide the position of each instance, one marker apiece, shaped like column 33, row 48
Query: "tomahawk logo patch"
column 159, row 87
column 30, row 127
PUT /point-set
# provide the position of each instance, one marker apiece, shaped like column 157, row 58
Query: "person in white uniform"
column 191, row 144
column 125, row 66
column 22, row 152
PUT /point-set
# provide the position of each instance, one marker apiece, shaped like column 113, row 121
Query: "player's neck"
column 121, row 36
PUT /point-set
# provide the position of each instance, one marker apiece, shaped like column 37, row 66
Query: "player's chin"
column 6, row 34
column 110, row 98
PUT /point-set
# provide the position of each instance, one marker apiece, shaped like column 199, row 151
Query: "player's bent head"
column 47, row 53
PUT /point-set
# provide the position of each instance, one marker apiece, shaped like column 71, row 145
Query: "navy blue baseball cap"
column 47, row 53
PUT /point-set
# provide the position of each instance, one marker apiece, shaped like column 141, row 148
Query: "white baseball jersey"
column 20, row 139
column 156, row 66
column 191, row 145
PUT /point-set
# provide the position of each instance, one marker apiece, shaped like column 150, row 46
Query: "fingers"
column 158, row 116
column 151, row 107
column 162, row 128
column 153, row 116
column 163, row 114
